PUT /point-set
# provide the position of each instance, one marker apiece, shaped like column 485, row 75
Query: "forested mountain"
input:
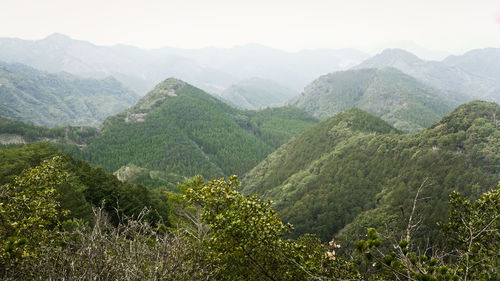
column 257, row 93
column 397, row 98
column 177, row 131
column 212, row 69
column 473, row 75
column 354, row 171
column 42, row 98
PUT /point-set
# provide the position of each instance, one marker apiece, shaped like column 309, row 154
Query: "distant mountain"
column 353, row 171
column 412, row 47
column 388, row 93
column 257, row 93
column 473, row 75
column 177, row 130
column 42, row 98
column 212, row 69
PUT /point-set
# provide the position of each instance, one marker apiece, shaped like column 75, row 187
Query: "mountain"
column 354, row 171
column 412, row 47
column 388, row 93
column 257, row 93
column 463, row 78
column 212, row 69
column 49, row 99
column 177, row 131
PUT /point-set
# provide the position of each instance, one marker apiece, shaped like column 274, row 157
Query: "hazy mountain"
column 412, row 47
column 48, row 99
column 484, row 62
column 212, row 69
column 178, row 130
column 388, row 93
column 352, row 171
column 257, row 93
column 466, row 77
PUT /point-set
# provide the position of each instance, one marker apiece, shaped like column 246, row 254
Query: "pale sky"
column 450, row 25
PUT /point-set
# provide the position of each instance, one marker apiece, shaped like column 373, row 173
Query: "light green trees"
column 247, row 240
column 29, row 212
column 473, row 233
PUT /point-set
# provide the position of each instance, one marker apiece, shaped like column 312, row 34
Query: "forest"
column 430, row 211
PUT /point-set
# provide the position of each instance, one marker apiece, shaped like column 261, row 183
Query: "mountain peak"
column 57, row 37
column 397, row 58
column 161, row 92
column 463, row 116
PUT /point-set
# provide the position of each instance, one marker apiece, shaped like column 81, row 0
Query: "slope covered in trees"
column 82, row 186
column 397, row 98
column 354, row 171
column 177, row 129
column 47, row 99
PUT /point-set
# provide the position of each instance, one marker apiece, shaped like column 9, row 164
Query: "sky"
column 454, row 26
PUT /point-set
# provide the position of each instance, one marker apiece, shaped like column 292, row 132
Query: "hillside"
column 178, row 131
column 473, row 75
column 397, row 98
column 257, row 93
column 42, row 98
column 354, row 171
column 83, row 186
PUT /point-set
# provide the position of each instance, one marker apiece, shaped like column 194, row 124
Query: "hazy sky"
column 451, row 25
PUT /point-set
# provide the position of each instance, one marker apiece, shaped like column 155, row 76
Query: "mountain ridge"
column 388, row 93
column 353, row 179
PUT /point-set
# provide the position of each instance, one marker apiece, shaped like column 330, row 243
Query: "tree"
column 474, row 235
column 247, row 238
column 29, row 212
column 473, row 230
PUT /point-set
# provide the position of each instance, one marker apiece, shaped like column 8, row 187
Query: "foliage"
column 473, row 232
column 29, row 212
column 247, row 238
column 86, row 186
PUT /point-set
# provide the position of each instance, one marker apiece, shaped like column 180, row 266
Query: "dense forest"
column 179, row 129
column 62, row 219
column 354, row 171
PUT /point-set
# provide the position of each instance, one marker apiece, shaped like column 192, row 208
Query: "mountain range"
column 403, row 101
column 178, row 130
column 212, row 69
column 473, row 75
